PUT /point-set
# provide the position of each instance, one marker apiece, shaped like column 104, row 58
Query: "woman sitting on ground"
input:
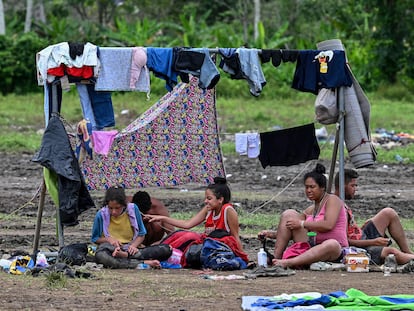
column 218, row 215
column 119, row 231
column 326, row 216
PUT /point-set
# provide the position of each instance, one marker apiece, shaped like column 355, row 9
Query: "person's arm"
column 267, row 234
column 380, row 241
column 332, row 210
column 233, row 222
column 135, row 243
column 161, row 209
column 183, row 224
column 97, row 228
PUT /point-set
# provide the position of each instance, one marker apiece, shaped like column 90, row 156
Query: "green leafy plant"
column 54, row 279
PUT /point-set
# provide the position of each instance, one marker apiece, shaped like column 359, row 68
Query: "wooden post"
column 39, row 217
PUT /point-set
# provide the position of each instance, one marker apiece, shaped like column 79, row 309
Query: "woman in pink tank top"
column 326, row 216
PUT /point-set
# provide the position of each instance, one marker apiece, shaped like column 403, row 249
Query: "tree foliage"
column 377, row 34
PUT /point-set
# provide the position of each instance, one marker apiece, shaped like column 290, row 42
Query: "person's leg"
column 284, row 234
column 160, row 252
column 329, row 250
column 400, row 256
column 387, row 218
column 103, row 255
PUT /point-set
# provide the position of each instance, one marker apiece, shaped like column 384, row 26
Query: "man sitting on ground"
column 372, row 235
column 152, row 206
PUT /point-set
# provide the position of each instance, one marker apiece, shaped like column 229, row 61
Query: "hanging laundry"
column 161, row 62
column 83, row 139
column 102, row 141
column 244, row 64
column 277, row 56
column 198, row 62
column 320, row 69
column 116, row 66
column 248, row 144
column 290, row 55
column 252, row 70
column 230, row 63
column 274, row 55
column 289, row 146
column 139, row 79
column 174, row 142
column 357, row 116
column 57, row 155
column 85, row 101
column 60, row 54
column 103, row 110
column 186, row 61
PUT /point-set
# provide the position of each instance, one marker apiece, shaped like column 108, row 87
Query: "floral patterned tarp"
column 175, row 142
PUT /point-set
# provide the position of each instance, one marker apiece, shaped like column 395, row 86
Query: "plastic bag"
column 326, row 108
column 21, row 264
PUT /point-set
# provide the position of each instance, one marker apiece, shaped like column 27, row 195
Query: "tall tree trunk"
column 256, row 19
column 2, row 23
column 29, row 12
column 41, row 11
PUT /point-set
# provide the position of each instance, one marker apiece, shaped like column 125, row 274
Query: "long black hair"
column 220, row 189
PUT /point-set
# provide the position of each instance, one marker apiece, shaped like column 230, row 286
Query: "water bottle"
column 262, row 258
column 5, row 264
column 143, row 266
column 390, row 265
column 312, row 238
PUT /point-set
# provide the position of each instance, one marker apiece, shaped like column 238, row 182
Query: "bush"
column 18, row 62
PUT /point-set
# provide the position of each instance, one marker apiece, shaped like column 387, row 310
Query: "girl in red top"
column 217, row 213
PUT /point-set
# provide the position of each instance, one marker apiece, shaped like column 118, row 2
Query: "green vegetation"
column 378, row 36
column 55, row 280
column 22, row 119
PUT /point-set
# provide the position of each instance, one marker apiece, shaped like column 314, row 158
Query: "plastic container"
column 390, row 265
column 312, row 238
column 262, row 258
column 143, row 266
column 5, row 264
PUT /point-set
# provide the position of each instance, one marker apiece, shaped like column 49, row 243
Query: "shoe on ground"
column 273, row 271
column 406, row 268
column 279, row 271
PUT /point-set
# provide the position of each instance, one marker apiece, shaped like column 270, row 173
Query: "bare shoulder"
column 333, row 198
column 157, row 207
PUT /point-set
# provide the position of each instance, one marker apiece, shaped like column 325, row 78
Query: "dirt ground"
column 254, row 189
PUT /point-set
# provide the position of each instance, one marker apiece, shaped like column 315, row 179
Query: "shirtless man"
column 374, row 238
column 152, row 206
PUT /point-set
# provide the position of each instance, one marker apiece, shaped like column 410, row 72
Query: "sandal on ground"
column 407, row 268
column 326, row 266
column 273, row 271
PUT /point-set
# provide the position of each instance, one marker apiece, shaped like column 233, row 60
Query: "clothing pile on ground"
column 352, row 299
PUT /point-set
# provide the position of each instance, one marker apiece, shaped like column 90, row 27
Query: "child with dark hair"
column 152, row 206
column 119, row 231
column 218, row 215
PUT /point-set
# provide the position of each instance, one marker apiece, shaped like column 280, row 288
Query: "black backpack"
column 73, row 254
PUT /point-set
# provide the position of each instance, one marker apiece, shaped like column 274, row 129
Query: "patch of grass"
column 55, row 280
column 251, row 224
column 22, row 118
